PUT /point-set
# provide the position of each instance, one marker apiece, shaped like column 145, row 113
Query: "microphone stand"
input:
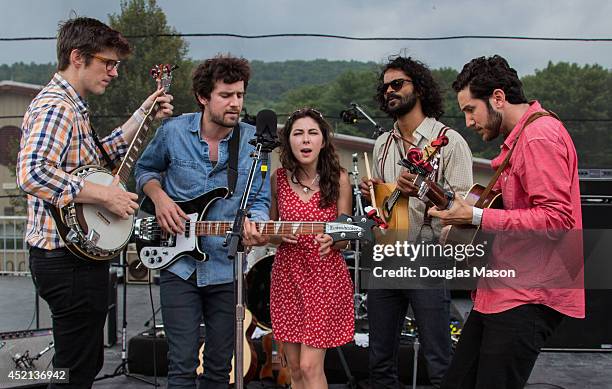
column 357, row 298
column 236, row 253
column 379, row 129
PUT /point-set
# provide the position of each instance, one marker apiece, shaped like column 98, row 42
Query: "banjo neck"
column 163, row 75
column 131, row 156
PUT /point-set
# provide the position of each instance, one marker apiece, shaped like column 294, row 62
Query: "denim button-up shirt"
column 179, row 159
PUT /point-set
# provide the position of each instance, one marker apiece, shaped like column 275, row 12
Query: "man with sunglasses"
column 57, row 138
column 408, row 93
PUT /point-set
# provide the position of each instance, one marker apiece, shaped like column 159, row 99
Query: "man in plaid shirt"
column 56, row 139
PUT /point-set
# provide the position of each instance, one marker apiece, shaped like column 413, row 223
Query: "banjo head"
column 111, row 231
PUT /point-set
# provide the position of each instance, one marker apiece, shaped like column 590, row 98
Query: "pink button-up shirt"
column 539, row 231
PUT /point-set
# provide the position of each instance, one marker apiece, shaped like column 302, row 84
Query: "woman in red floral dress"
column 311, row 297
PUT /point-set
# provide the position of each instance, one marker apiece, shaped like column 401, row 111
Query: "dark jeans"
column 183, row 306
column 77, row 293
column 386, row 314
column 499, row 350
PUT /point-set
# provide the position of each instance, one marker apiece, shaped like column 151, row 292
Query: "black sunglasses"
column 396, row 84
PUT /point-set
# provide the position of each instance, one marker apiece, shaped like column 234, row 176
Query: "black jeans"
column 183, row 306
column 499, row 350
column 386, row 314
column 77, row 293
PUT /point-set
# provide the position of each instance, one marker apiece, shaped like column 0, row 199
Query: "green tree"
column 124, row 96
column 31, row 73
column 352, row 86
column 581, row 96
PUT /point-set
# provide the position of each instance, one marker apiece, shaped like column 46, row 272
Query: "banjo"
column 91, row 231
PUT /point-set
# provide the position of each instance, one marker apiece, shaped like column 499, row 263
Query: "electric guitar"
column 158, row 249
column 91, row 231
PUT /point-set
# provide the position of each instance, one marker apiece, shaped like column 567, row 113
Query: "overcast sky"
column 393, row 18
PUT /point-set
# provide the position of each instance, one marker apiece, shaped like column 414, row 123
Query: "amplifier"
column 595, row 183
column 24, row 351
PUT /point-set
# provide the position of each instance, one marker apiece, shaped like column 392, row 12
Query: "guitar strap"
column 533, row 117
column 232, row 163
column 109, row 162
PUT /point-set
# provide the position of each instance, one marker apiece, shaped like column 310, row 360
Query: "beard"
column 221, row 120
column 493, row 126
column 404, row 106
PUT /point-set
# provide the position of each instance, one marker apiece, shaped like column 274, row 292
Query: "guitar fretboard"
column 265, row 228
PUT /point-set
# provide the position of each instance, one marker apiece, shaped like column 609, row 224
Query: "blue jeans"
column 386, row 314
column 184, row 305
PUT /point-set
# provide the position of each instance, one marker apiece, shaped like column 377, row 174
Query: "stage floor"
column 553, row 369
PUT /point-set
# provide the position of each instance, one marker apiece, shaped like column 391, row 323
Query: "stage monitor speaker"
column 141, row 350
column 595, row 182
column 18, row 350
column 144, row 346
column 110, row 326
column 357, row 360
column 137, row 273
column 594, row 332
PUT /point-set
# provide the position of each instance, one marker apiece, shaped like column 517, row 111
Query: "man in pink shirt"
column 538, row 231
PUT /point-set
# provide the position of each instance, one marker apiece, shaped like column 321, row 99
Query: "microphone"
column 266, row 134
column 349, row 116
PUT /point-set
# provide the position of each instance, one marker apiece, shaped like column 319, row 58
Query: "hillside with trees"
column 580, row 95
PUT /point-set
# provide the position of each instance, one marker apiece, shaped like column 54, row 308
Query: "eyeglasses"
column 110, row 63
column 396, row 84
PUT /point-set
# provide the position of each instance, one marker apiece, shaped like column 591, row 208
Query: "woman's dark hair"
column 89, row 36
column 425, row 87
column 484, row 75
column 328, row 166
column 220, row 68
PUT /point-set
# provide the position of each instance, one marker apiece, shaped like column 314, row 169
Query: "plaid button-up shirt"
column 56, row 139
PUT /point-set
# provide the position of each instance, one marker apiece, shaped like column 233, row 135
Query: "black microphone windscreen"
column 266, row 123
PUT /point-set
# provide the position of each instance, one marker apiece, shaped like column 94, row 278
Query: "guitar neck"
column 203, row 228
column 136, row 146
column 429, row 190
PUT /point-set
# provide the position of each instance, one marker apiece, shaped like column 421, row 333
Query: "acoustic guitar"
column 394, row 206
column 274, row 362
column 249, row 360
column 430, row 191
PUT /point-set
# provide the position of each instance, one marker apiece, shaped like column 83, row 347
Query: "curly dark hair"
column 425, row 87
column 89, row 36
column 219, row 68
column 328, row 165
column 484, row 75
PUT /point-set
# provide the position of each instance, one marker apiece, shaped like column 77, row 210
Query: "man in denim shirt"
column 187, row 157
